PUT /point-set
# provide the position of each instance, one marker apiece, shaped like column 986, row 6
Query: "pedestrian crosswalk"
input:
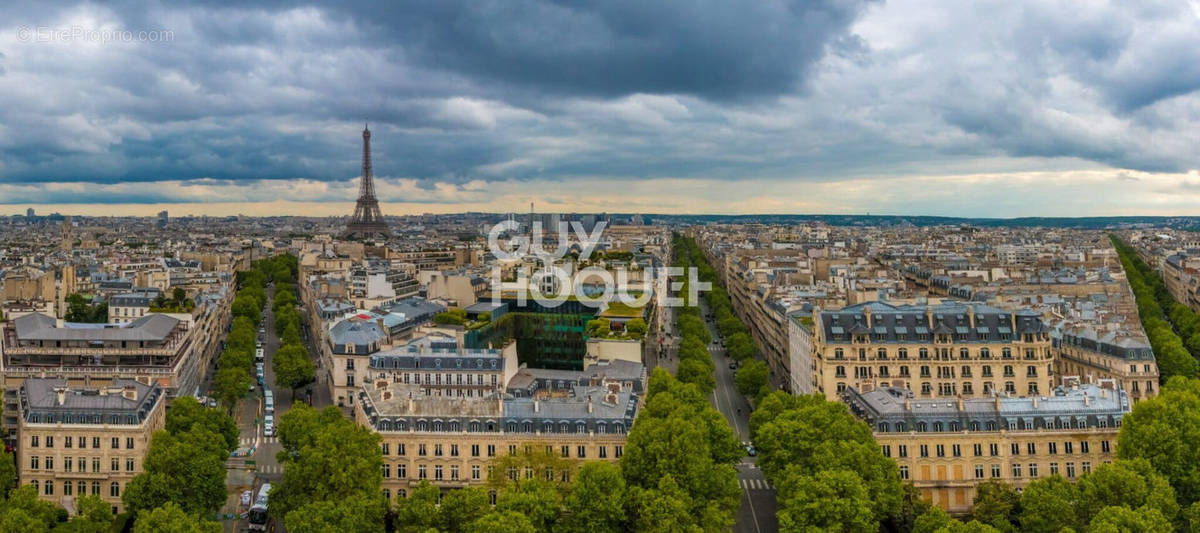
column 249, row 441
column 756, row 484
column 270, row 440
column 270, row 469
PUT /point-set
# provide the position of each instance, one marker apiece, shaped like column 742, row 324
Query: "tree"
column 636, row 327
column 537, row 500
column 8, row 473
column 293, row 368
column 1122, row 519
column 188, row 469
column 231, row 383
column 502, row 522
column 94, row 516
column 996, row 504
column 1163, row 430
column 697, row 372
column 187, row 413
column 832, row 500
column 1048, row 505
column 1129, row 482
column 664, row 508
column 23, row 508
column 343, row 460
column 300, row 425
column 599, row 327
column 596, row 502
column 937, row 521
column 463, row 506
column 751, row 377
column 419, row 511
column 171, row 518
column 356, row 513
column 179, row 295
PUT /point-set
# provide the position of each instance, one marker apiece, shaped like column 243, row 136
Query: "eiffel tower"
column 367, row 222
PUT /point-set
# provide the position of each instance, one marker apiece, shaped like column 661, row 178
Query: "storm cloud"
column 460, row 95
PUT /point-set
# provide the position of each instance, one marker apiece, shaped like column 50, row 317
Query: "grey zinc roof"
column 40, row 327
column 39, row 402
column 889, row 323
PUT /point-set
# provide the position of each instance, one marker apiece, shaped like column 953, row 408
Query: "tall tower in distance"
column 367, row 222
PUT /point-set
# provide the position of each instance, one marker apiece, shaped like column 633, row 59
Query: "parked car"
column 212, row 402
column 733, row 365
column 750, row 450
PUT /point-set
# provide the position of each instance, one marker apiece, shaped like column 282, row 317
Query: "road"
column 757, row 511
column 266, row 467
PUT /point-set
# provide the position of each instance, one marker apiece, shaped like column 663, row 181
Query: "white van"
column 270, row 405
column 269, row 426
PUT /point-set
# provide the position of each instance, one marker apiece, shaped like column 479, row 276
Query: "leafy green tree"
column 596, row 502
column 230, row 384
column 1129, row 482
column 1122, row 519
column 343, row 460
column 538, row 500
column 94, row 516
column 8, row 473
column 937, row 521
column 300, row 425
column 293, row 367
column 171, row 518
column 24, row 511
column 751, row 377
column 1163, row 430
column 419, row 511
column 636, row 327
column 664, row 508
column 1048, row 505
column 698, row 373
column 356, row 513
column 188, row 469
column 187, row 413
column 461, row 507
column 599, row 327
column 502, row 522
column 831, row 500
column 996, row 504
column 247, row 306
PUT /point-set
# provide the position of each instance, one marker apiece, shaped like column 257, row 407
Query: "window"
column 1031, row 448
column 903, row 472
column 437, row 450
column 96, row 442
column 421, row 472
column 1016, row 469
column 1104, row 447
column 67, row 466
column 401, row 471
column 35, row 462
column 421, row 450
column 475, row 472
column 887, row 451
column 116, row 442
column 67, row 441
column 603, row 452
column 474, row 450
column 491, row 449
column 453, row 450
column 116, row 465
column 978, row 471
column 1083, row 446
column 437, row 472
column 957, row 450
column 1087, row 467
column 82, row 468
column 95, row 464
column 941, row 450
column 49, row 441
column 924, row 450
column 114, row 490
column 95, row 488
column 581, row 451
column 387, row 448
column 49, row 462
column 454, row 472
column 1052, row 448
column 1016, row 449
column 128, row 443
column 49, row 486
column 33, row 441
column 995, row 470
column 1054, row 469
column 1033, row 470
column 1068, row 447
column 903, row 450
column 67, row 488
column 387, row 470
column 1071, row 470
column 400, row 448
column 994, row 449
column 618, row 451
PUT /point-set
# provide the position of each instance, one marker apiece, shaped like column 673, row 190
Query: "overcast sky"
column 982, row 108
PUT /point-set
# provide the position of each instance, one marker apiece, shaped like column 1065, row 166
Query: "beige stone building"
column 946, row 350
column 947, row 448
column 1088, row 355
column 75, row 441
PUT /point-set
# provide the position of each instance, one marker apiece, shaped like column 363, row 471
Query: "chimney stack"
column 1035, row 402
column 537, row 406
column 61, row 394
column 589, row 403
column 1087, row 400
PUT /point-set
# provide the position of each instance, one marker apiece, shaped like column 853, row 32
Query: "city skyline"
column 905, row 108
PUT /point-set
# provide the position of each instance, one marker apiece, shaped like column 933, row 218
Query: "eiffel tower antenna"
column 367, row 221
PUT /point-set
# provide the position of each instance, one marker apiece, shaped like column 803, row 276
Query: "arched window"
column 985, row 353
column 387, row 494
column 902, row 353
column 937, row 426
column 580, row 427
column 901, row 427
column 883, row 427
column 95, row 488
column 473, row 427
column 114, row 489
column 922, row 427
column 838, row 353
column 974, row 425
column 923, row 353
column 564, row 427
column 964, row 353
column 881, row 353
column 511, row 427
column 1006, row 353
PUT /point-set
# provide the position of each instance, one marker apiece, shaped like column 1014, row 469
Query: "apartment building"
column 947, row 447
column 76, row 441
column 1124, row 356
column 449, row 440
column 943, row 350
column 170, row 351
